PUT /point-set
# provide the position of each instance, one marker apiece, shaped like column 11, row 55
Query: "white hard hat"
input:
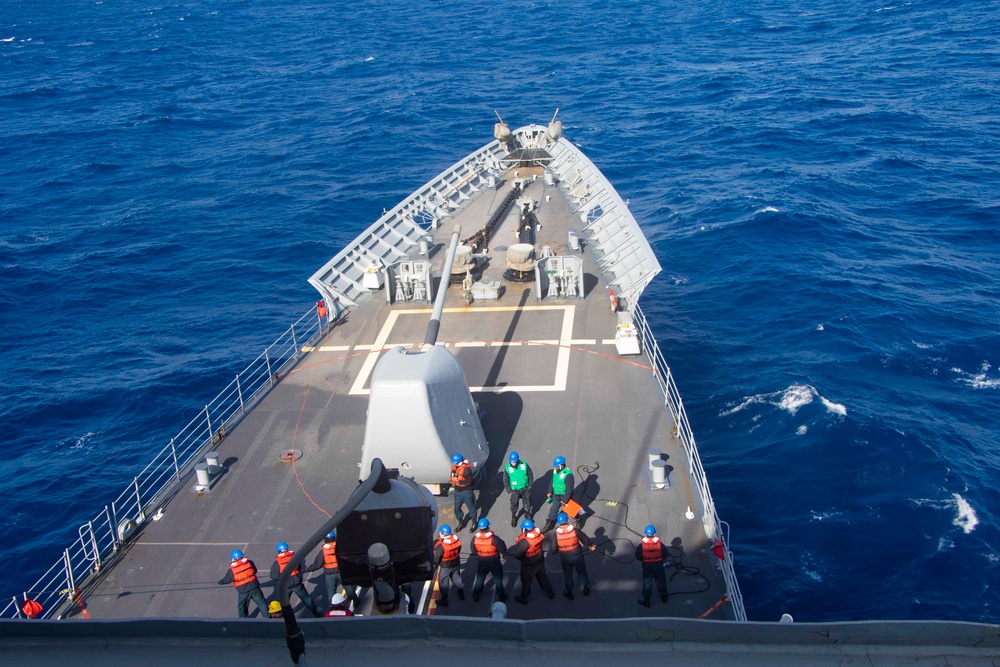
column 337, row 599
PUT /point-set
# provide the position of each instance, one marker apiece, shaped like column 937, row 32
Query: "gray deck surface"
column 520, row 352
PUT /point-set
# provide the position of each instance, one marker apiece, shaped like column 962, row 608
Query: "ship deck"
column 550, row 381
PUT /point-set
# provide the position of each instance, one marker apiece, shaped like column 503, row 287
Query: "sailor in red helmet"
column 243, row 575
column 652, row 553
column 282, row 557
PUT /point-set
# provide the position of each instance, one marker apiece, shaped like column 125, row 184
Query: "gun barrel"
column 435, row 324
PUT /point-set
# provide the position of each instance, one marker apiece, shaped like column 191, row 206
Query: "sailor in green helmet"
column 560, row 490
column 517, row 479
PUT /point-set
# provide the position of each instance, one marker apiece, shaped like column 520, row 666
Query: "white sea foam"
column 819, row 327
column 835, row 408
column 369, row 59
column 978, row 380
column 966, row 516
column 801, row 430
column 796, row 396
column 767, row 209
column 7, row 39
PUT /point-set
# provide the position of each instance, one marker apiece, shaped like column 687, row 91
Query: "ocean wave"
column 790, row 400
column 965, row 515
column 978, row 380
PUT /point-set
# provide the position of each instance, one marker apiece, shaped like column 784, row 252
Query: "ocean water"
column 819, row 179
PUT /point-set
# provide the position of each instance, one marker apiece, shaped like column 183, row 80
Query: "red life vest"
column 283, row 559
column 321, row 309
column 339, row 612
column 243, row 572
column 651, row 550
column 484, row 546
column 566, row 539
column 534, row 540
column 461, row 475
column 330, row 556
column 452, row 546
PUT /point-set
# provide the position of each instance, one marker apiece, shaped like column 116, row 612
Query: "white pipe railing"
column 672, row 401
column 99, row 540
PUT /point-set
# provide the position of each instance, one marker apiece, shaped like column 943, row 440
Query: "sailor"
column 569, row 543
column 528, row 550
column 487, row 547
column 560, row 490
column 327, row 559
column 282, row 557
column 517, row 479
column 243, row 575
column 653, row 554
column 339, row 607
column 463, row 480
column 446, row 555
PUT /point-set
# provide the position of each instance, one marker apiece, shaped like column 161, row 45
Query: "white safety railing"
column 100, row 539
column 673, row 402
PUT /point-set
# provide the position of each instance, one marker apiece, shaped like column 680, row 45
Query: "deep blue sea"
column 820, row 180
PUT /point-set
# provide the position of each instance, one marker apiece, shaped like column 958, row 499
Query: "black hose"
column 294, row 638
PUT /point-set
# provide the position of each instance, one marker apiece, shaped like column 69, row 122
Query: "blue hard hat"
column 562, row 517
column 456, row 459
column 281, row 546
column 331, row 535
column 483, row 524
column 445, row 529
column 650, row 531
column 558, row 461
column 236, row 555
column 514, row 458
column 527, row 524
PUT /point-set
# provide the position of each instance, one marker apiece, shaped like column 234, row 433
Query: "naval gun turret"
column 420, row 411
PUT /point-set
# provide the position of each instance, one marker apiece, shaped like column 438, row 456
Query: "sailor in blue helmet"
column 326, row 558
column 462, row 480
column 560, row 490
column 243, row 575
column 282, row 557
column 652, row 553
column 487, row 547
column 517, row 479
column 528, row 550
column 446, row 555
column 569, row 543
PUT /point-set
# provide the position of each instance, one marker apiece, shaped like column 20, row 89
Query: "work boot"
column 503, row 597
column 521, row 599
column 473, row 528
column 568, row 595
column 443, row 602
column 549, row 525
column 664, row 597
column 586, row 590
column 513, row 520
column 461, row 594
column 551, row 593
column 645, row 602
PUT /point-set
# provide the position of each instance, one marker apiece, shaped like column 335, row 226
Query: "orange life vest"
column 321, row 309
column 534, row 540
column 567, row 539
column 330, row 556
column 461, row 475
column 651, row 551
column 243, row 572
column 283, row 559
column 452, row 546
column 484, row 546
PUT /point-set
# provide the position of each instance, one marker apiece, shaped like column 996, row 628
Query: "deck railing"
column 100, row 539
column 682, row 431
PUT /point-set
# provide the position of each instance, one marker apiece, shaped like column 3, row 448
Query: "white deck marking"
column 334, row 348
column 608, row 341
column 562, row 359
column 583, row 341
column 370, row 361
